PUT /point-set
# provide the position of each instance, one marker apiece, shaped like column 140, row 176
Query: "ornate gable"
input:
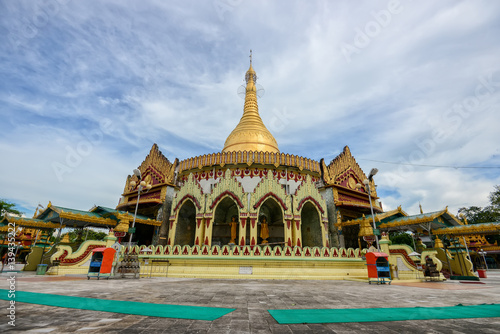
column 156, row 169
column 344, row 171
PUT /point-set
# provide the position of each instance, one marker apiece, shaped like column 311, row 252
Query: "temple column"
column 324, row 232
column 242, row 232
column 208, row 230
column 171, row 232
column 288, row 230
column 200, row 230
column 296, row 232
column 253, row 230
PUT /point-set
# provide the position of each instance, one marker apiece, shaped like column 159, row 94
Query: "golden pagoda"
column 251, row 134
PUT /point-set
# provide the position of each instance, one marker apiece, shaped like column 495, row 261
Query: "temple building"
column 253, row 211
column 250, row 193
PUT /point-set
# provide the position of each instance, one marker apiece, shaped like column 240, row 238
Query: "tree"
column 6, row 207
column 79, row 235
column 401, row 238
column 488, row 214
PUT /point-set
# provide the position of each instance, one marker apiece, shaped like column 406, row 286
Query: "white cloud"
column 167, row 72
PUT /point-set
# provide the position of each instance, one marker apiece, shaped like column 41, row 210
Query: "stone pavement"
column 252, row 299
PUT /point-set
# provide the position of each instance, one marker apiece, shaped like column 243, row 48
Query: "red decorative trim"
column 236, row 251
column 191, row 197
column 195, row 251
column 242, row 242
column 197, row 242
column 270, row 194
column 299, row 243
column 231, row 194
column 309, row 198
column 405, row 255
column 65, row 261
column 243, row 222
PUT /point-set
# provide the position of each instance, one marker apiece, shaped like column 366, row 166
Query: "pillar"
column 171, row 231
column 288, row 230
column 208, row 230
column 242, row 232
column 297, row 233
column 200, row 230
column 253, row 229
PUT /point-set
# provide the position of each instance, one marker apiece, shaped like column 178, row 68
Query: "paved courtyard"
column 252, row 299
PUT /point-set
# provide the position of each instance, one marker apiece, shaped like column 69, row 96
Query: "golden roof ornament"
column 251, row 134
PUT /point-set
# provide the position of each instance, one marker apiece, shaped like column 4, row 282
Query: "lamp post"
column 367, row 183
column 142, row 185
column 483, row 253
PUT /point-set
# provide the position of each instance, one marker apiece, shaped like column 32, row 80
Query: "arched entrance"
column 310, row 226
column 186, row 224
column 226, row 211
column 273, row 213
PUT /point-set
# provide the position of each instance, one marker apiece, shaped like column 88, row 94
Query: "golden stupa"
column 251, row 134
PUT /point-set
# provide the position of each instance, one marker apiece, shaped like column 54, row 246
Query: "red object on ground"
column 482, row 273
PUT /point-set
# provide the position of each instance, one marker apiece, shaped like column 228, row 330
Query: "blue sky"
column 88, row 86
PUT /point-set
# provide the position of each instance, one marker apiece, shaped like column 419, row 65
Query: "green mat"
column 118, row 306
column 319, row 316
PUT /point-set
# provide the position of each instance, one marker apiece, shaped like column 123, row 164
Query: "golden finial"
column 251, row 134
column 420, row 206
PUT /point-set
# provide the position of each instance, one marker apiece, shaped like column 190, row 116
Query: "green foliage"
column 488, row 214
column 401, row 238
column 80, row 235
column 6, row 207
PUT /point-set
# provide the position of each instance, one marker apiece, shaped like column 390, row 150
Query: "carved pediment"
column 344, row 171
column 156, row 169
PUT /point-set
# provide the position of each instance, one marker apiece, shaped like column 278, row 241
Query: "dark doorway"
column 310, row 226
column 186, row 224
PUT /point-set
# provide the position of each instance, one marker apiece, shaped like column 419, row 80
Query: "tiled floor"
column 252, row 299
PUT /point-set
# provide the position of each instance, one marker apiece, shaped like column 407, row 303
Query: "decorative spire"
column 251, row 134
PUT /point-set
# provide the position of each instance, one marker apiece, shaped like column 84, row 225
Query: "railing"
column 250, row 157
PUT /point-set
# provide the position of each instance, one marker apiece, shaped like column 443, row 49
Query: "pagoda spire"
column 251, row 134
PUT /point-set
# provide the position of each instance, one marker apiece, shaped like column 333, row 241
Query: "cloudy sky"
column 413, row 88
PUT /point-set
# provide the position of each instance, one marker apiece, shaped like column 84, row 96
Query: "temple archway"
column 273, row 213
column 186, row 224
column 310, row 226
column 226, row 210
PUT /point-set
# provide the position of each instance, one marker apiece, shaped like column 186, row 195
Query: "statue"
column 264, row 230
column 234, row 225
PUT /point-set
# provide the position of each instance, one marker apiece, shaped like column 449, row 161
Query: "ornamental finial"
column 250, row 56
